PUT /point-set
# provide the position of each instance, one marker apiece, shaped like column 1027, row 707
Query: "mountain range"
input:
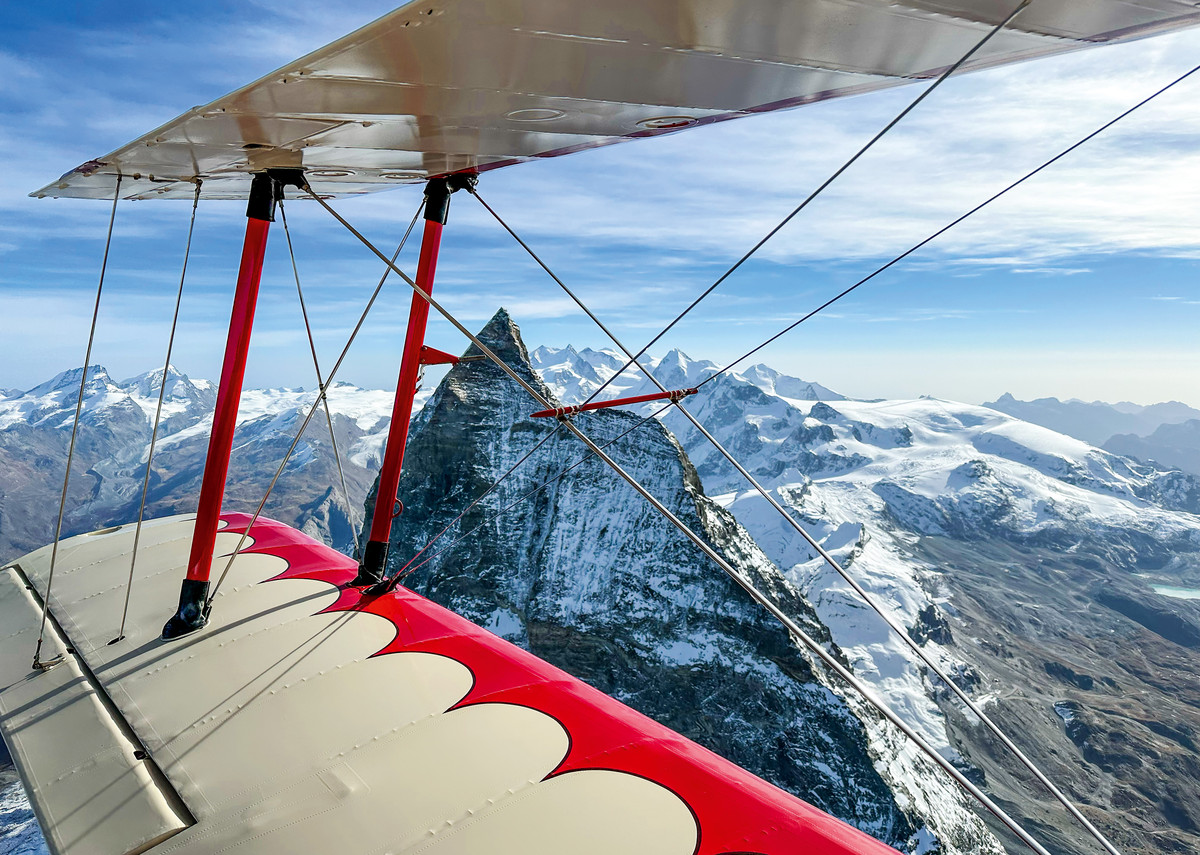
column 1095, row 422
column 114, row 435
column 1030, row 564
column 1171, row 444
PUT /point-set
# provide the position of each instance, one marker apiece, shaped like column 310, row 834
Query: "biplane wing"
column 444, row 86
column 313, row 719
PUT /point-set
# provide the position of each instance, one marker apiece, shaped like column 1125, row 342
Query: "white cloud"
column 716, row 190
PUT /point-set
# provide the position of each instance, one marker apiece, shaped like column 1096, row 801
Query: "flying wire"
column 831, row 561
column 832, row 300
column 954, row 223
column 820, row 189
column 162, row 391
column 321, row 385
column 792, row 627
column 38, row 664
column 828, row 558
column 633, row 359
column 313, row 409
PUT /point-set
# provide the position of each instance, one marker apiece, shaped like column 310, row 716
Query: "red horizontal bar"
column 559, row 412
column 433, row 356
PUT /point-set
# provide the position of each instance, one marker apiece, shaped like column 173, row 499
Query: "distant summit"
column 1176, row 445
column 575, row 376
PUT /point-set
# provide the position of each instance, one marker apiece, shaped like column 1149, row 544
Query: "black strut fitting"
column 266, row 191
column 438, row 190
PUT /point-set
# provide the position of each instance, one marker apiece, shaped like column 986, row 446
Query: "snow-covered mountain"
column 113, row 439
column 947, row 511
column 573, row 376
column 1029, row 564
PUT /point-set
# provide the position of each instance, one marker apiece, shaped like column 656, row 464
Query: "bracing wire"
column 633, row 359
column 875, row 606
column 312, row 346
column 1070, row 807
column 818, row 191
column 313, row 409
column 792, row 627
column 38, row 664
column 162, row 391
column 915, row 247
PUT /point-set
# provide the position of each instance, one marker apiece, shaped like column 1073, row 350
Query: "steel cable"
column 313, row 409
column 162, row 390
column 862, row 593
column 820, row 189
column 793, row 628
column 728, row 367
column 953, row 223
column 875, row 606
column 321, row 386
column 38, row 664
column 633, row 359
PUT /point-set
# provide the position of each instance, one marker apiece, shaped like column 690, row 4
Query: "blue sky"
column 1084, row 283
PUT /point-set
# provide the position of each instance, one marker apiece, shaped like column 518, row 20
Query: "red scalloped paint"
column 736, row 812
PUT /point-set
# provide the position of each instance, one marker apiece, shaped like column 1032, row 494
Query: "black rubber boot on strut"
column 370, row 572
column 192, row 614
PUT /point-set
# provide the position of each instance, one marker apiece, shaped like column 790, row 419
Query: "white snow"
column 1064, row 711
column 19, row 830
column 55, row 400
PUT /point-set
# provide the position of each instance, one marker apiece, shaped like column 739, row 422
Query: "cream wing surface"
column 312, row 717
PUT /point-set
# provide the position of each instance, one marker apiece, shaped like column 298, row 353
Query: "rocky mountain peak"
column 98, row 381
column 502, row 335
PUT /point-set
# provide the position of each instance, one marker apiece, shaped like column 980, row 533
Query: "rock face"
column 586, row 575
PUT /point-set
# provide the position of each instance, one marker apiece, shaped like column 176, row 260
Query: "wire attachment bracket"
column 567, row 412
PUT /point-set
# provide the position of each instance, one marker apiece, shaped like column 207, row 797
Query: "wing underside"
column 442, row 86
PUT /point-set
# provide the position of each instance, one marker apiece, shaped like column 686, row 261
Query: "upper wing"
column 310, row 719
column 441, row 86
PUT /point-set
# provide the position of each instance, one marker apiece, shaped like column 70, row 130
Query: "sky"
column 1084, row 283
